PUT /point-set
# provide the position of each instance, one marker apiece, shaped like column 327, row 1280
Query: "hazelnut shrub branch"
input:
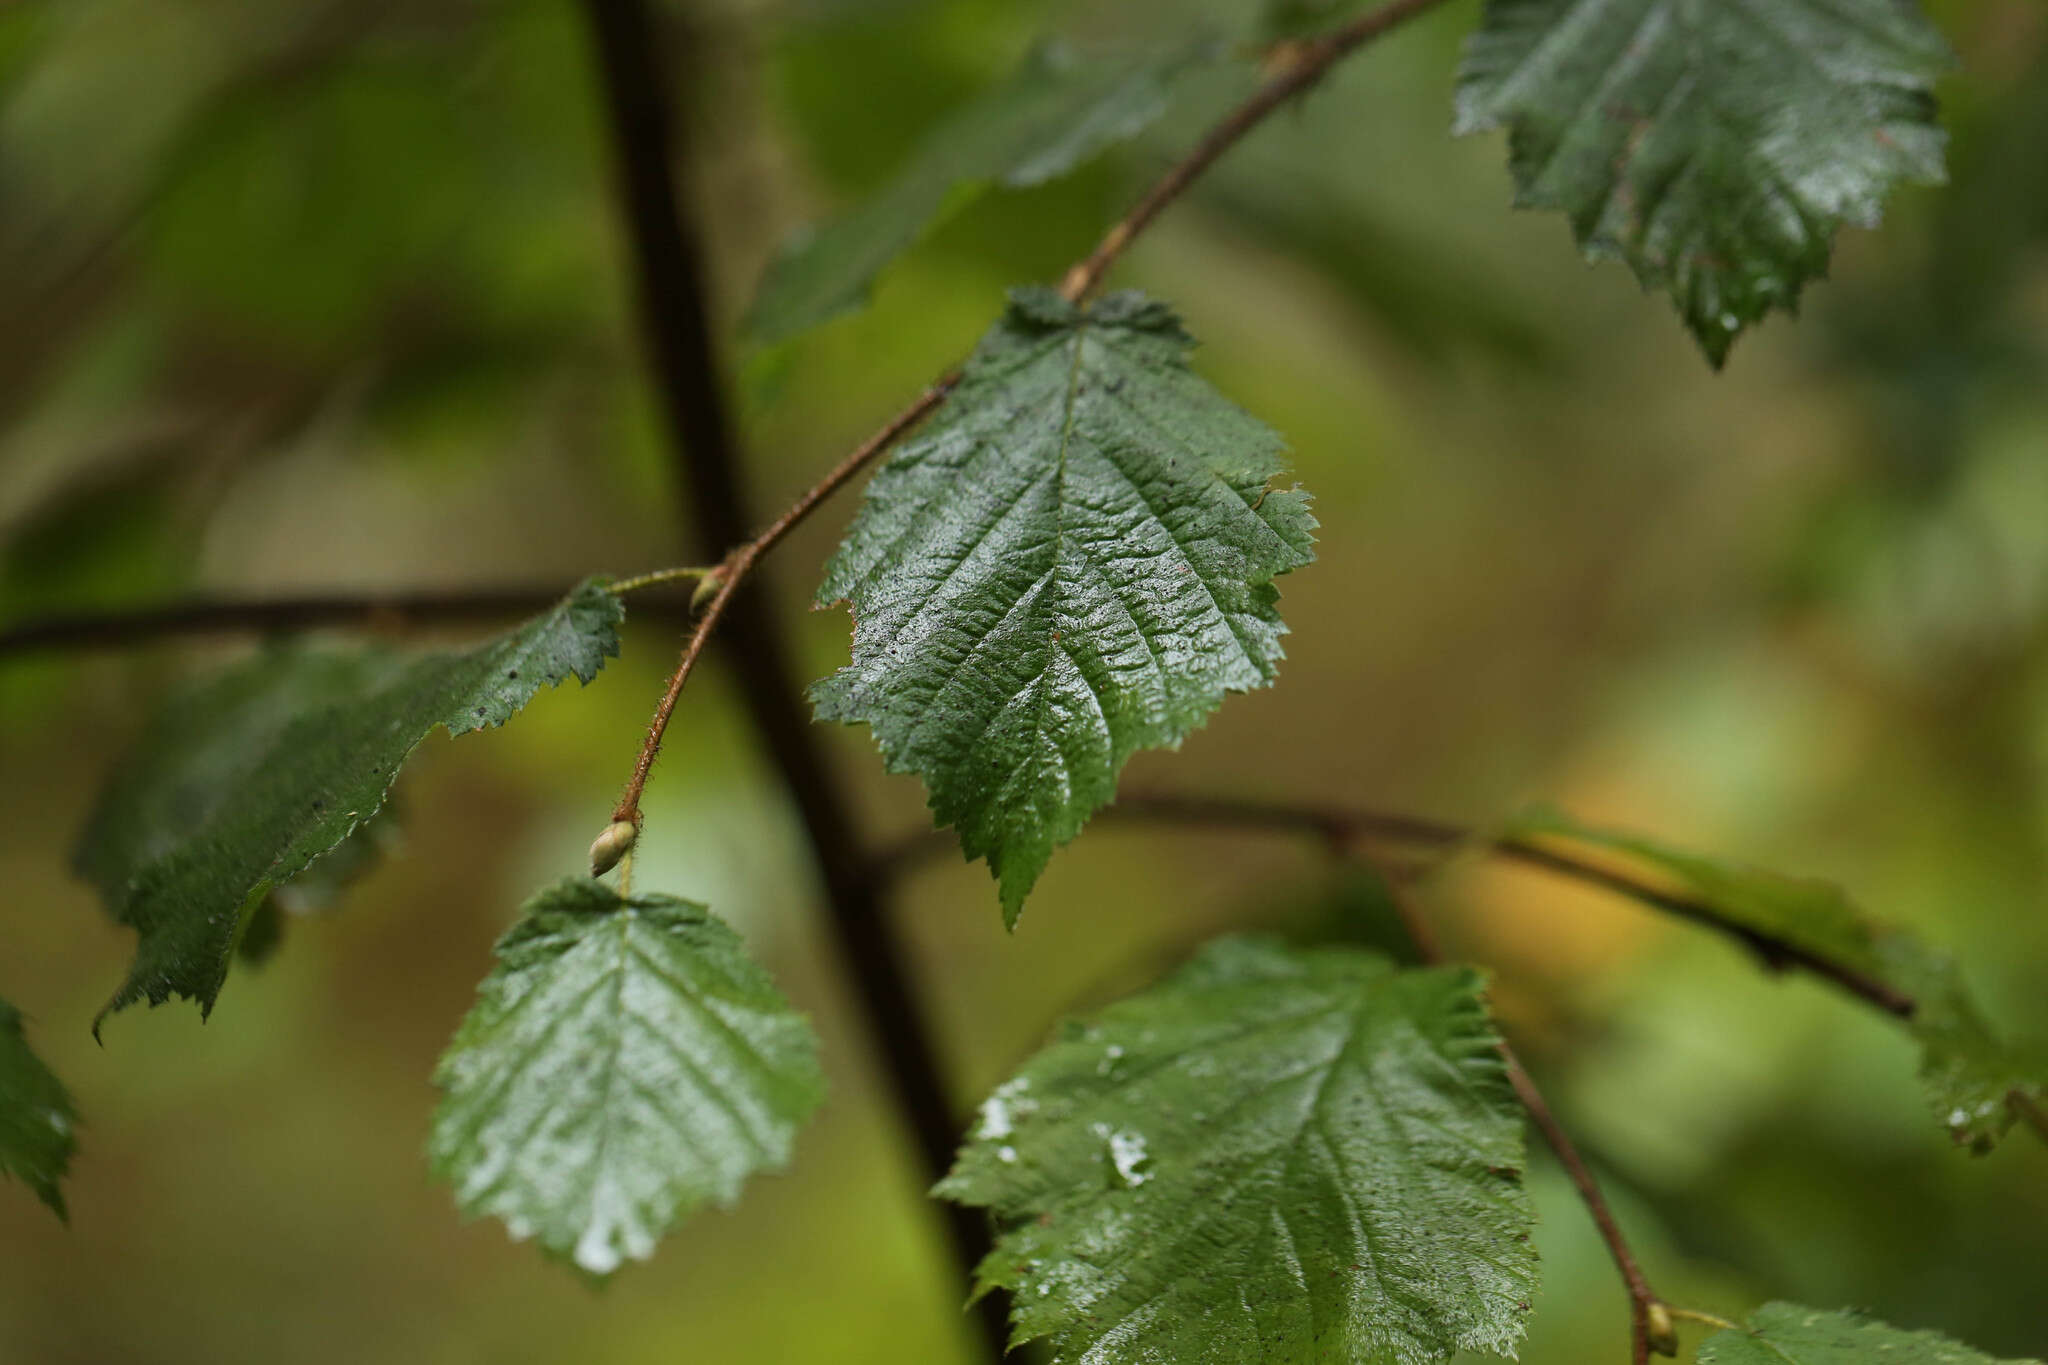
column 668, row 281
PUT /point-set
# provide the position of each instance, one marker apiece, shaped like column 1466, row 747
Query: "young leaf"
column 1074, row 562
column 1974, row 1081
column 245, row 782
column 1787, row 1334
column 1280, row 1155
column 1059, row 110
column 624, row 1063
column 1714, row 147
column 36, row 1117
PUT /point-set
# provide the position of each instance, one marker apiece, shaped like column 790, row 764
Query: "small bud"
column 707, row 588
column 615, row 843
column 1662, row 1332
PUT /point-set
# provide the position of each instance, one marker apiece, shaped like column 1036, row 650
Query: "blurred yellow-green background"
column 306, row 295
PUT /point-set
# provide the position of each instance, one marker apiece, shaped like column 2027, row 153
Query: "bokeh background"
column 328, row 294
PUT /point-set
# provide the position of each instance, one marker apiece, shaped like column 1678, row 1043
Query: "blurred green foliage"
column 309, row 294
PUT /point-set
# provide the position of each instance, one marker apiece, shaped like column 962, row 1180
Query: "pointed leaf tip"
column 1061, row 109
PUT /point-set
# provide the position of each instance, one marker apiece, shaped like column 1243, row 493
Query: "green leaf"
column 1073, row 563
column 624, row 1063
column 194, row 752
column 1715, row 147
column 319, row 888
column 36, row 1116
column 1787, row 1334
column 242, row 783
column 1276, row 1155
column 1060, row 109
column 1974, row 1081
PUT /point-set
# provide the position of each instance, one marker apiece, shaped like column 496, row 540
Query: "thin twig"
column 657, row 577
column 1294, row 68
column 741, row 562
column 1704, row 1319
column 1649, row 1321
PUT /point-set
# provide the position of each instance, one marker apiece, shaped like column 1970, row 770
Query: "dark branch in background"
column 675, row 316
column 1650, row 1326
column 280, row 615
column 1346, row 825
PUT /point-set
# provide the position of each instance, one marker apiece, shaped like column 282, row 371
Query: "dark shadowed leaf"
column 1714, row 147
column 1277, row 1155
column 1975, row 1082
column 36, row 1117
column 320, row 887
column 1061, row 109
column 625, row 1063
column 1074, row 562
column 1787, row 1334
column 243, row 782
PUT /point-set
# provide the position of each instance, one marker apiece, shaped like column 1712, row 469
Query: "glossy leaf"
column 36, row 1116
column 1277, row 1155
column 1787, row 1334
column 241, row 784
column 1061, row 109
column 1715, row 147
column 1973, row 1079
column 1072, row 563
column 624, row 1063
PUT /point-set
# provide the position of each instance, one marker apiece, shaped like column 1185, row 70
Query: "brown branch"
column 1650, row 1326
column 1294, row 67
column 1649, row 1319
column 1345, row 825
column 729, row 575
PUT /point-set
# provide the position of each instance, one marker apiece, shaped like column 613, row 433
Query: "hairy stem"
column 657, row 577
column 1649, row 1320
column 729, row 575
column 1293, row 68
column 675, row 316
